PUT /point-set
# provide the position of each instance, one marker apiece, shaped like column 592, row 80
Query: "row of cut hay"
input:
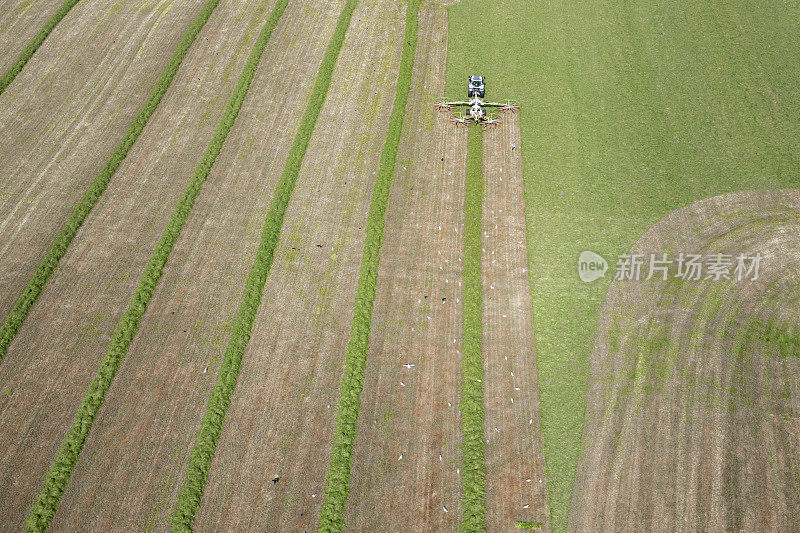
column 33, row 289
column 35, row 43
column 220, row 399
column 45, row 506
column 338, row 478
column 474, row 470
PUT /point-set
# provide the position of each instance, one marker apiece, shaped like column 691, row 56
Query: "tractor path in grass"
column 407, row 457
column 515, row 480
column 693, row 409
column 140, row 442
column 20, row 21
column 65, row 113
column 282, row 416
column 56, row 353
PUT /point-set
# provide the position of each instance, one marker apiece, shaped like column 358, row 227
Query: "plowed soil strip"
column 338, row 478
column 34, row 287
column 35, row 43
column 515, row 482
column 206, row 444
column 281, row 419
column 407, row 455
column 45, row 506
column 20, row 21
column 134, row 462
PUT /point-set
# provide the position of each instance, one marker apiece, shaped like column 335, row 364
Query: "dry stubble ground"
column 407, row 454
column 693, row 413
column 283, row 412
column 49, row 364
column 515, row 480
column 65, row 113
column 141, row 439
column 20, row 21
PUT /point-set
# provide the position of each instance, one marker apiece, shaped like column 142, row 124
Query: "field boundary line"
column 25, row 56
column 220, row 399
column 337, row 485
column 33, row 289
column 44, row 508
column 474, row 470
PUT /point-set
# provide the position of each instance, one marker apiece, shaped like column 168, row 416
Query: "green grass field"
column 629, row 110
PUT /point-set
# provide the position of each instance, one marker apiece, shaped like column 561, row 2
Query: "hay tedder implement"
column 476, row 89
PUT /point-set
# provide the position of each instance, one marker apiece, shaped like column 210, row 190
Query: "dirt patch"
column 406, row 459
column 515, row 482
column 693, row 405
column 282, row 416
column 65, row 113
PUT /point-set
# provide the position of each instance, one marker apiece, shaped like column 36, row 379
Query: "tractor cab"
column 476, row 86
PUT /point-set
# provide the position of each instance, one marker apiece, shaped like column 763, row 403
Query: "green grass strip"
column 34, row 45
column 19, row 312
column 473, row 474
column 220, row 399
column 45, row 506
column 337, row 484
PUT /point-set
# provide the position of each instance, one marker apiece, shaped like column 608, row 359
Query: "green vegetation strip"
column 45, row 507
column 34, row 45
column 14, row 321
column 220, row 399
column 474, row 471
column 338, row 478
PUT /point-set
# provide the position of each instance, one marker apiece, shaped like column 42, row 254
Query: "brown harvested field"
column 283, row 412
column 407, row 452
column 693, row 414
column 140, row 442
column 515, row 475
column 56, row 353
column 65, row 113
column 20, row 21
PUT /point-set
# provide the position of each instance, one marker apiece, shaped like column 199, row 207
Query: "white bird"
column 205, row 370
column 408, row 365
column 402, row 384
column 401, row 456
column 525, row 506
column 528, row 480
column 445, row 509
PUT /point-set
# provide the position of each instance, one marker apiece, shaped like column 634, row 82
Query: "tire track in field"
column 20, row 21
column 515, row 474
column 140, row 441
column 18, row 267
column 279, row 424
column 87, row 296
column 407, row 458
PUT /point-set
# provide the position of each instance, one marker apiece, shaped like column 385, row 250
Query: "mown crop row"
column 35, row 43
column 33, row 289
column 338, row 478
column 45, row 506
column 220, row 399
column 474, row 470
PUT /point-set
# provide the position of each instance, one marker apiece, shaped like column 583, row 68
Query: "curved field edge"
column 337, row 484
column 472, row 415
column 203, row 451
column 46, row 503
column 33, row 289
column 628, row 111
column 686, row 374
column 25, row 56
